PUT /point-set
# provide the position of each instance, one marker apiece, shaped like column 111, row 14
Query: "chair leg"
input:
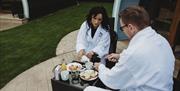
column 178, row 76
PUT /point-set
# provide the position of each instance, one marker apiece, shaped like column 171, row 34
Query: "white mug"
column 85, row 59
column 65, row 75
column 89, row 65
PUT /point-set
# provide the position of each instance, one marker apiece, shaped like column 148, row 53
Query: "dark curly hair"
column 94, row 12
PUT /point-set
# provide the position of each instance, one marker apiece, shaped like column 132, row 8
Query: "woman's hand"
column 113, row 57
column 80, row 54
column 90, row 54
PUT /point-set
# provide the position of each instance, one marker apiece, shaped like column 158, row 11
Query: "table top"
column 78, row 85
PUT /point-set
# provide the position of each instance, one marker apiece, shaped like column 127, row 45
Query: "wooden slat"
column 174, row 24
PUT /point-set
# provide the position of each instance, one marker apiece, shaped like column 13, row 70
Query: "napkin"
column 85, row 59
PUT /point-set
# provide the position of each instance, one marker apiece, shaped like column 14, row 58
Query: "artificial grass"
column 27, row 45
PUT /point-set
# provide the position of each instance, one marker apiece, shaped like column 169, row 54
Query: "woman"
column 93, row 37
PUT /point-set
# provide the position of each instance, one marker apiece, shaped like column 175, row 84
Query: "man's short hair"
column 135, row 15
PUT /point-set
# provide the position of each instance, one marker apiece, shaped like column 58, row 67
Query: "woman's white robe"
column 99, row 43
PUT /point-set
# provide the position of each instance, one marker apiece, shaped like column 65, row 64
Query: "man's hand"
column 113, row 57
column 80, row 54
column 90, row 54
column 96, row 66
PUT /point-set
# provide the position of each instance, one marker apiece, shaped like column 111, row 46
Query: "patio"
column 38, row 77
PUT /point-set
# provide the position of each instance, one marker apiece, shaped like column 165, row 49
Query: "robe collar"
column 146, row 32
column 98, row 33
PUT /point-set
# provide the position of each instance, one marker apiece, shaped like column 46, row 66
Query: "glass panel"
column 124, row 4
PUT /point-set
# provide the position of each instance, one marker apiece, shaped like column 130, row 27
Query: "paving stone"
column 121, row 45
column 67, row 44
column 7, row 21
column 9, row 87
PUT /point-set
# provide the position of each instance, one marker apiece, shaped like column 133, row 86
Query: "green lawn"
column 36, row 41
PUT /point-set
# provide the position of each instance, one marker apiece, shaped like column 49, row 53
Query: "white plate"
column 90, row 74
column 74, row 66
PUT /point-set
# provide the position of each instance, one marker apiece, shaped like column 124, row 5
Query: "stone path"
column 67, row 44
column 38, row 78
column 7, row 21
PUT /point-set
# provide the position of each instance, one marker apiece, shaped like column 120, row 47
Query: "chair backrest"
column 113, row 36
column 113, row 43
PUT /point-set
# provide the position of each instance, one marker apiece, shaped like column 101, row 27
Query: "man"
column 148, row 62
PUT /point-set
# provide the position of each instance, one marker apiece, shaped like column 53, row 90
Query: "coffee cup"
column 89, row 65
column 65, row 75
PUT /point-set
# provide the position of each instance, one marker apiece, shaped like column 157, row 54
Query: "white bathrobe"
column 99, row 43
column 146, row 65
